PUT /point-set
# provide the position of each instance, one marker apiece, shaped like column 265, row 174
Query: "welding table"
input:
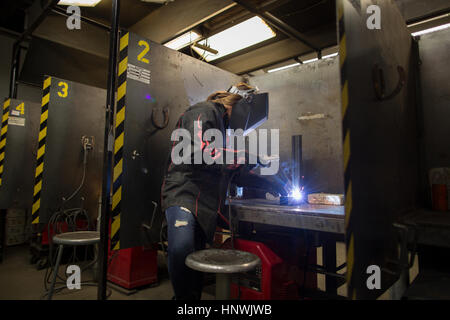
column 314, row 217
column 327, row 219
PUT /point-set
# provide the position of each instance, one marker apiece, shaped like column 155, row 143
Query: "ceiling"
column 302, row 27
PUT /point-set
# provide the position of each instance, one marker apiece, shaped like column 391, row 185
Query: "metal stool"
column 223, row 263
column 78, row 238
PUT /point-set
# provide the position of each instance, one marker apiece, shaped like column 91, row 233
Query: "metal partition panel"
column 69, row 112
column 434, row 51
column 380, row 147
column 305, row 101
column 18, row 146
column 152, row 79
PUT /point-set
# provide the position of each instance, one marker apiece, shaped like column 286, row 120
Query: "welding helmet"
column 249, row 112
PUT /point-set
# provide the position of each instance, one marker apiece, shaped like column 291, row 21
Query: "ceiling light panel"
column 79, row 3
column 183, row 40
column 238, row 37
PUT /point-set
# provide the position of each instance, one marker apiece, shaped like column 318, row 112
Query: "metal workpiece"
column 323, row 218
column 296, row 164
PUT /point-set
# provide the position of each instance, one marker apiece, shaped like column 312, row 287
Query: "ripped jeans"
column 184, row 237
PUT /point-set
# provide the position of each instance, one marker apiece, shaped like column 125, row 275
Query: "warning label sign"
column 138, row 74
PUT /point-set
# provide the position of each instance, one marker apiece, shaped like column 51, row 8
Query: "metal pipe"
column 14, row 71
column 277, row 23
column 296, row 162
column 107, row 154
column 47, row 9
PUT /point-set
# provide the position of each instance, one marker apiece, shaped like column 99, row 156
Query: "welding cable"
column 70, row 217
column 85, row 153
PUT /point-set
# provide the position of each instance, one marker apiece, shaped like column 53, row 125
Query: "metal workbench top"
column 315, row 217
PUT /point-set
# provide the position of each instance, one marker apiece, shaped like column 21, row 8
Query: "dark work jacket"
column 200, row 188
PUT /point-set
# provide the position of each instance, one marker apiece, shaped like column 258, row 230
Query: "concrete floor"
column 19, row 280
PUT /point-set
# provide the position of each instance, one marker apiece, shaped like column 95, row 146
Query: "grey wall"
column 311, row 89
column 435, row 55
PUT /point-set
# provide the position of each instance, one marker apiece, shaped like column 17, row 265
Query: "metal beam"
column 84, row 19
column 91, row 38
column 16, row 47
column 277, row 23
column 178, row 17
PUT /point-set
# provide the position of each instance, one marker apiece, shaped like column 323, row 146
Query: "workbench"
column 325, row 218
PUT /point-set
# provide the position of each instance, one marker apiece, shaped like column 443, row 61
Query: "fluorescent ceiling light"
column 79, row 3
column 238, row 37
column 434, row 29
column 283, row 68
column 304, row 62
column 183, row 40
column 309, row 61
column 330, row 55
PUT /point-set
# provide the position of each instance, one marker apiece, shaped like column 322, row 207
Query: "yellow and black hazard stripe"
column 3, row 134
column 41, row 151
column 347, row 149
column 119, row 141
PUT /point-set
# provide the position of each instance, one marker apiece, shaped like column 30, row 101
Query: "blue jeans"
column 184, row 237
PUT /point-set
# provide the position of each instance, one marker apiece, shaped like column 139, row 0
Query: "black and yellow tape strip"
column 41, row 152
column 119, row 141
column 347, row 149
column 3, row 134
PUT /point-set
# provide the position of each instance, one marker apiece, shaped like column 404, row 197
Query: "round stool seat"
column 78, row 238
column 222, row 261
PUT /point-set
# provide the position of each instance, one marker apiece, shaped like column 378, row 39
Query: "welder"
column 193, row 195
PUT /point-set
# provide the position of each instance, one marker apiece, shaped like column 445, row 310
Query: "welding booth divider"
column 381, row 175
column 70, row 149
column 18, row 148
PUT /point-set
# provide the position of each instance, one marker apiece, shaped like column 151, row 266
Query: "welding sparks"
column 296, row 194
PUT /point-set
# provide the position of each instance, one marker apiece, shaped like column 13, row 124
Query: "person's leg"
column 182, row 229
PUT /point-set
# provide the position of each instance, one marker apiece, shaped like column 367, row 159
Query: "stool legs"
column 223, row 284
column 55, row 272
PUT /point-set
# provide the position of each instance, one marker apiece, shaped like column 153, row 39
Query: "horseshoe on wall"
column 379, row 84
column 166, row 119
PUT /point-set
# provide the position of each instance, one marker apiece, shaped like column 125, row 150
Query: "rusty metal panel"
column 175, row 81
column 19, row 154
column 305, row 100
column 380, row 147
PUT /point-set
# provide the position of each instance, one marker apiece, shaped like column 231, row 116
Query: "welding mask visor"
column 251, row 111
